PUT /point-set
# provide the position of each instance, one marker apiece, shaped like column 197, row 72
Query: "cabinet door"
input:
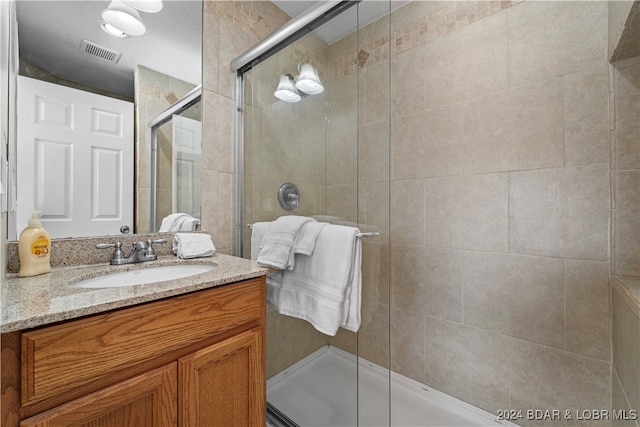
column 148, row 400
column 224, row 384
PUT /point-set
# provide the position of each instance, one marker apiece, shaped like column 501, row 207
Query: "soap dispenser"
column 34, row 249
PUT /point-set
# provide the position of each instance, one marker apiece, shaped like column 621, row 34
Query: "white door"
column 185, row 170
column 75, row 160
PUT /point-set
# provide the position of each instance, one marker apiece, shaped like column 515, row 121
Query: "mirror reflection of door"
column 186, row 154
column 75, row 160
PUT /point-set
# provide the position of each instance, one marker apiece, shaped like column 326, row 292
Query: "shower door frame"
column 188, row 100
column 272, row 44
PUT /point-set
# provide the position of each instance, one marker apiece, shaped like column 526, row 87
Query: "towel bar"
column 359, row 235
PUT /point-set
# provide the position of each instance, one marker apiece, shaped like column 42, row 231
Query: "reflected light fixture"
column 308, row 80
column 147, row 6
column 286, row 90
column 111, row 30
column 124, row 18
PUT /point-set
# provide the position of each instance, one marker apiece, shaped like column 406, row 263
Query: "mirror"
column 62, row 42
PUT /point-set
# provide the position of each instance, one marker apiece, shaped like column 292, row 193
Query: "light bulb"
column 308, row 80
column 286, row 91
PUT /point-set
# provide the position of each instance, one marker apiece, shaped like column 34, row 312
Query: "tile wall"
column 499, row 200
column 494, row 192
column 625, row 381
column 229, row 28
column 626, row 237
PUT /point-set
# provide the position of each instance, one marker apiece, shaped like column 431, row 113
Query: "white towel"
column 189, row 224
column 305, row 241
column 193, row 245
column 258, row 231
column 178, row 222
column 277, row 244
column 274, row 280
column 324, row 288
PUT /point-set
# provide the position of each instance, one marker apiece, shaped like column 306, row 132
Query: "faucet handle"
column 117, row 254
column 150, row 250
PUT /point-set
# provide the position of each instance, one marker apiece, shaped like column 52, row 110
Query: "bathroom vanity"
column 188, row 352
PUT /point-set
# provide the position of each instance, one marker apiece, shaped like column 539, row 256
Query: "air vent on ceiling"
column 93, row 49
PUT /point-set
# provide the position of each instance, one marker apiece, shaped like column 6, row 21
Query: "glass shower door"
column 333, row 146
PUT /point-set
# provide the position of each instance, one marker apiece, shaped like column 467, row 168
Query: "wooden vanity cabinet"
column 191, row 360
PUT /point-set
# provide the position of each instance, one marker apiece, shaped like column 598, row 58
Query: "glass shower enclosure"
column 325, row 155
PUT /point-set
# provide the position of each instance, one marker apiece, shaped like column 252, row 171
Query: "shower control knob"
column 289, row 196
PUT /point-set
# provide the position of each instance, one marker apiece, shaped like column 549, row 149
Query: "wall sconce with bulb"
column 291, row 89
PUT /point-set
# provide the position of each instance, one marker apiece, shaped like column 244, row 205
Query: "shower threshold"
column 322, row 390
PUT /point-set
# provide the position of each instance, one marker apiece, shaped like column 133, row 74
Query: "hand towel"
column 258, row 231
column 178, row 222
column 193, row 245
column 168, row 221
column 305, row 241
column 277, row 244
column 325, row 288
column 274, row 280
column 189, row 224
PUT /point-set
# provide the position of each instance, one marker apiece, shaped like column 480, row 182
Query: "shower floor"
column 320, row 390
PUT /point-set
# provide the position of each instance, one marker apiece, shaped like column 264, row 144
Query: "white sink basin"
column 143, row 276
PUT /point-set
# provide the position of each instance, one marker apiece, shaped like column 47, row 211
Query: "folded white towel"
column 277, row 244
column 193, row 245
column 324, row 288
column 178, row 222
column 189, row 224
column 305, row 241
column 274, row 280
column 258, row 231
column 168, row 221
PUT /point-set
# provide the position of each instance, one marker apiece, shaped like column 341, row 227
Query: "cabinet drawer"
column 79, row 353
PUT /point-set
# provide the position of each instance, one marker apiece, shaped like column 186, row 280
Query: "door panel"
column 53, row 177
column 223, row 385
column 75, row 160
column 148, row 400
column 186, row 155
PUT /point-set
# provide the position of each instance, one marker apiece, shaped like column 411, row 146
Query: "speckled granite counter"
column 40, row 300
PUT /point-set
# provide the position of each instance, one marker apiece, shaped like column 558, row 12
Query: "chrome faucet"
column 140, row 252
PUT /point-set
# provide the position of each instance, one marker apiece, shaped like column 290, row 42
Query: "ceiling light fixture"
column 147, row 6
column 286, row 90
column 124, row 18
column 111, row 30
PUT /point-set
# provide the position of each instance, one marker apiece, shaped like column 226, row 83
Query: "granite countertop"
column 36, row 301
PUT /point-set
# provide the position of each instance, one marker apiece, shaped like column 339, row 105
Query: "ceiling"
column 50, row 34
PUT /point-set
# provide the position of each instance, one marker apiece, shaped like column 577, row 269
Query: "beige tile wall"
column 230, row 28
column 626, row 348
column 626, row 311
column 498, row 205
column 627, row 166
